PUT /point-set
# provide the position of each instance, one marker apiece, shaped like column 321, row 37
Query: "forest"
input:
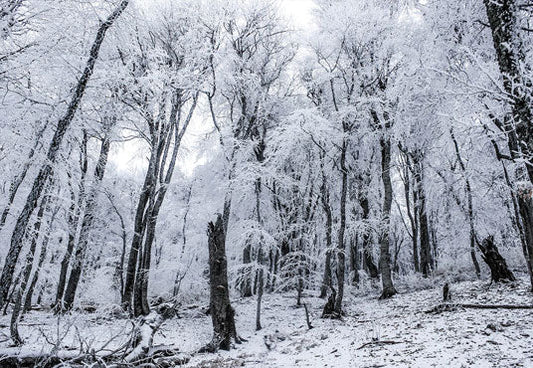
column 266, row 183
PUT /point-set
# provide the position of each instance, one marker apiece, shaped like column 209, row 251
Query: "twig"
column 380, row 342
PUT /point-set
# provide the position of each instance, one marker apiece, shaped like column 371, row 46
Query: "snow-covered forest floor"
column 391, row 333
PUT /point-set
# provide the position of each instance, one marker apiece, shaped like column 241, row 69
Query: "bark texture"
column 385, row 259
column 86, row 226
column 222, row 314
column 492, row 257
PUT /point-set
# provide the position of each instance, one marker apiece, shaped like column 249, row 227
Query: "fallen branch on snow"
column 449, row 307
column 379, row 342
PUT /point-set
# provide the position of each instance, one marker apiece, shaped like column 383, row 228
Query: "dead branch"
column 449, row 307
column 379, row 342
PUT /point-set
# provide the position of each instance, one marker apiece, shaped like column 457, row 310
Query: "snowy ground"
column 410, row 337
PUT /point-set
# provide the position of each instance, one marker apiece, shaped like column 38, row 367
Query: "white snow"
column 398, row 332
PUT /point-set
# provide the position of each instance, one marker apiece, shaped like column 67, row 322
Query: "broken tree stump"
column 222, row 313
column 492, row 257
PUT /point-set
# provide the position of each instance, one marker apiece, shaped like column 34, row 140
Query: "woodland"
column 226, row 183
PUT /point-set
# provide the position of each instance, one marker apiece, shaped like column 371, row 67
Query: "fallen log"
column 448, row 307
column 30, row 361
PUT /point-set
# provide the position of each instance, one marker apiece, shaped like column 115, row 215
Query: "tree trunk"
column 502, row 18
column 46, row 170
column 26, row 273
column 368, row 258
column 138, row 235
column 260, row 275
column 470, row 206
column 86, row 226
column 119, row 269
column 498, row 267
column 342, row 227
column 42, row 257
column 426, row 263
column 525, row 205
column 75, row 211
column 385, row 259
column 17, row 181
column 354, row 261
column 413, row 219
column 222, row 314
column 326, row 279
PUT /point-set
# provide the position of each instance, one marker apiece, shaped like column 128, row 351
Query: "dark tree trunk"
column 165, row 141
column 138, row 235
column 260, row 273
column 502, row 18
column 385, row 259
column 75, row 211
column 86, row 226
column 326, row 279
column 246, row 282
column 525, row 204
column 119, row 269
column 413, row 218
column 368, row 258
column 17, row 181
column 222, row 314
column 470, row 206
column 354, row 261
column 492, row 257
column 46, row 170
column 42, row 257
column 426, row 263
column 26, row 273
column 337, row 310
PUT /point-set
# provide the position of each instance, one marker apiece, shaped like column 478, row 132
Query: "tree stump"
column 222, row 314
column 492, row 257
column 329, row 308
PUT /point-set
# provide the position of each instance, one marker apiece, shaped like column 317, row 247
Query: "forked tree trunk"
column 175, row 135
column 413, row 219
column 138, row 234
column 426, row 262
column 53, row 150
column 75, row 211
column 86, row 226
